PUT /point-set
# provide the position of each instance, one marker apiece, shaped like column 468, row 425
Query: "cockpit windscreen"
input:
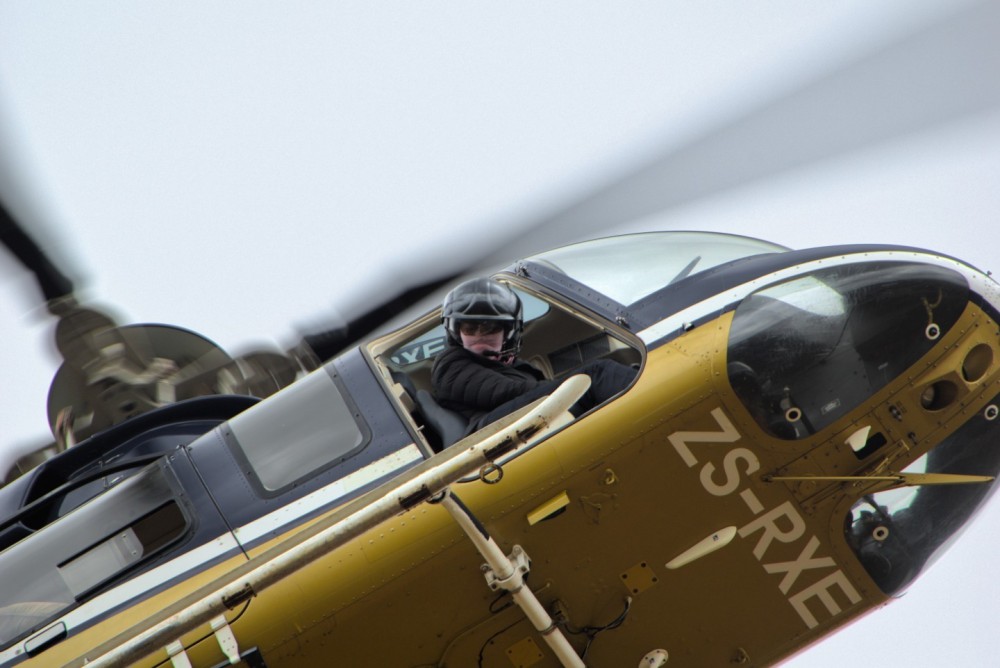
column 629, row 267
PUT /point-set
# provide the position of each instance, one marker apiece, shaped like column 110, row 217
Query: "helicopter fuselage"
column 807, row 432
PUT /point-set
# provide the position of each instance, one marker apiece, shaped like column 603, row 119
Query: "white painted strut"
column 508, row 573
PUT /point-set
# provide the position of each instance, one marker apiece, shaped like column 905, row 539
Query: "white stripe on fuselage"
column 225, row 545
column 979, row 282
column 293, row 511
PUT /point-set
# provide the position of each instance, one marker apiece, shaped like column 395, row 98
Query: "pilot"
column 479, row 374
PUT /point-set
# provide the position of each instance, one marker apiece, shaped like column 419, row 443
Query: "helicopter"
column 832, row 413
column 608, row 636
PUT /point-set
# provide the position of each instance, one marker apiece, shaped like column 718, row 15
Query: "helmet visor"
column 479, row 327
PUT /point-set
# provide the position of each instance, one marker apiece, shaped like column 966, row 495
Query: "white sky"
column 242, row 168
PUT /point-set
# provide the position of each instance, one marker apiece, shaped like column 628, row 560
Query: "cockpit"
column 557, row 339
column 803, row 352
column 600, row 280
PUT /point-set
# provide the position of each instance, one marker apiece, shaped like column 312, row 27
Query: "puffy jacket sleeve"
column 463, row 380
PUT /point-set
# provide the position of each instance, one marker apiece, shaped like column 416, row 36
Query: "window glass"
column 297, row 431
column 126, row 547
column 898, row 533
column 805, row 352
column 80, row 495
column 627, row 268
column 47, row 572
column 433, row 341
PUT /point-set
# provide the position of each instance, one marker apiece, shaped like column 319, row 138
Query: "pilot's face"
column 478, row 337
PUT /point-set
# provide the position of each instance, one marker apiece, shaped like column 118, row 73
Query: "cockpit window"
column 433, row 341
column 898, row 533
column 317, row 429
column 805, row 352
column 629, row 267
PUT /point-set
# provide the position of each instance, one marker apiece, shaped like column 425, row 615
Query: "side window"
column 303, row 428
column 47, row 572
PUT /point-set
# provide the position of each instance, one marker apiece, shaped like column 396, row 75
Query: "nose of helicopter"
column 901, row 359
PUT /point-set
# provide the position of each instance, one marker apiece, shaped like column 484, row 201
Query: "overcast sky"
column 245, row 169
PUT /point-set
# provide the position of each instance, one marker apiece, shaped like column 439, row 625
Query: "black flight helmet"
column 483, row 299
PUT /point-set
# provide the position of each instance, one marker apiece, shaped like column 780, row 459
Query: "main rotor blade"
column 940, row 74
column 937, row 75
column 52, row 282
column 326, row 344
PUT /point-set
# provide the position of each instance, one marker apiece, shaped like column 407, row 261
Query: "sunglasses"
column 479, row 327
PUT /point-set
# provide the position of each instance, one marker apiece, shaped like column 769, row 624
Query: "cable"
column 591, row 631
column 503, row 594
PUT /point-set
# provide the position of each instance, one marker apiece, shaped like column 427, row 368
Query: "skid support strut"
column 507, row 573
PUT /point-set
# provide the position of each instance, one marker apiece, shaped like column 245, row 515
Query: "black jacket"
column 473, row 385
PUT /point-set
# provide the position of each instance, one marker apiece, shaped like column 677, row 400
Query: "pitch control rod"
column 507, row 573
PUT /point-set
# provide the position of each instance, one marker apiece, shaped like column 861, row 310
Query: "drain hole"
column 977, row 363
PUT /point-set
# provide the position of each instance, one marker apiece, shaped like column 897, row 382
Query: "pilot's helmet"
column 484, row 300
